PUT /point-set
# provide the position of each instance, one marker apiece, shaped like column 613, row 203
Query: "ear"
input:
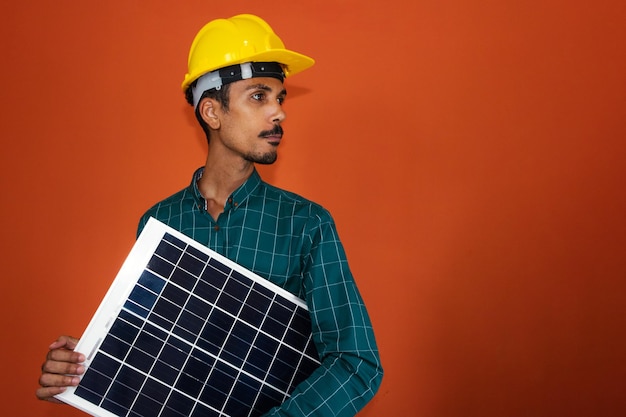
column 209, row 111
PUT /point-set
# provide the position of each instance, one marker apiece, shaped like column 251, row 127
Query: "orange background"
column 472, row 153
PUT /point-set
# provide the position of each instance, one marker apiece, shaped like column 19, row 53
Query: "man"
column 235, row 84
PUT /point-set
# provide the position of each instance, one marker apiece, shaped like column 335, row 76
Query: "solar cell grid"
column 195, row 335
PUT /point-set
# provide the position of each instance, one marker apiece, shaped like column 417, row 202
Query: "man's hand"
column 61, row 369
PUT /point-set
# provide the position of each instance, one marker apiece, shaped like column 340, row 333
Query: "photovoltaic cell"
column 184, row 331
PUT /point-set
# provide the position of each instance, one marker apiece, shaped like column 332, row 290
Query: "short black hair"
column 221, row 96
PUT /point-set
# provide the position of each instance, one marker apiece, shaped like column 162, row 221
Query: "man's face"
column 251, row 128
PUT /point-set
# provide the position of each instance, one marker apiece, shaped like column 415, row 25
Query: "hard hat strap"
column 216, row 79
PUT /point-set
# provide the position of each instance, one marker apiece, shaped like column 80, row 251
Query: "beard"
column 266, row 158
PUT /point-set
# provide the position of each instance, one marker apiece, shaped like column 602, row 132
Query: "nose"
column 278, row 113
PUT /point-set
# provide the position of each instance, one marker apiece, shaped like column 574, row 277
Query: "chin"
column 265, row 159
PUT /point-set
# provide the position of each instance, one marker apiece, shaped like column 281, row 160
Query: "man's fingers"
column 66, row 342
column 62, row 368
column 58, row 381
column 62, row 355
column 48, row 393
column 52, row 385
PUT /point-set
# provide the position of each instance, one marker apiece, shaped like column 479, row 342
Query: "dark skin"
column 61, row 368
column 243, row 134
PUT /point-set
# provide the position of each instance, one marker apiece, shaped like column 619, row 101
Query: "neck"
column 220, row 180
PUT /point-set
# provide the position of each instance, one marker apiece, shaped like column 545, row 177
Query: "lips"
column 273, row 139
column 275, row 134
column 277, row 137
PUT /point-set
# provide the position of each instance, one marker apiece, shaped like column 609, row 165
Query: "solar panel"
column 184, row 331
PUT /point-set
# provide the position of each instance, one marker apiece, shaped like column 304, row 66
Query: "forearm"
column 340, row 387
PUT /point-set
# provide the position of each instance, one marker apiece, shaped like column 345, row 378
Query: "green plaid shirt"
column 293, row 243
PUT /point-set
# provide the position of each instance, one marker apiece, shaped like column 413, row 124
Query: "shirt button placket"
column 219, row 239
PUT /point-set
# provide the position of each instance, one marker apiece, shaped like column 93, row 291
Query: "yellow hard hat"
column 237, row 40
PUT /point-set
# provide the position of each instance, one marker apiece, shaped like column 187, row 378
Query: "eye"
column 280, row 99
column 260, row 96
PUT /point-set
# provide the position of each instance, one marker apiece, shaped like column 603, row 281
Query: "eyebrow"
column 264, row 87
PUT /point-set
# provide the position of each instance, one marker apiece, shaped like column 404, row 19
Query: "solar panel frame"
column 184, row 331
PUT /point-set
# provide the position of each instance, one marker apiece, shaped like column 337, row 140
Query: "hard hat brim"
column 293, row 63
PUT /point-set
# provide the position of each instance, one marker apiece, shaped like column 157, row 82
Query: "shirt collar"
column 237, row 198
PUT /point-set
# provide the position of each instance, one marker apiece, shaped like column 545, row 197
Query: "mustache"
column 276, row 131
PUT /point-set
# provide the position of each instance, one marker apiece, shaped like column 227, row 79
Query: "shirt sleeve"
column 350, row 371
